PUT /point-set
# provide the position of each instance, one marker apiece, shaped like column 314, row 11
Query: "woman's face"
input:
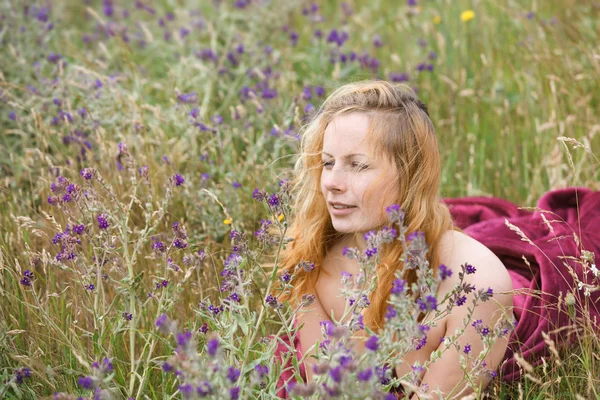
column 350, row 170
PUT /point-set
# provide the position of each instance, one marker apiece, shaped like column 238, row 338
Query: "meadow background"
column 183, row 108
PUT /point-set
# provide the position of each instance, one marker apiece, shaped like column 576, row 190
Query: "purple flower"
column 377, row 42
column 102, row 221
column 371, row 252
column 183, row 338
column 22, row 373
column 79, row 229
column 467, row 349
column 204, row 328
column 390, row 313
column 462, row 300
column 87, row 382
column 486, row 295
column 398, row 286
column 54, row 58
column 158, row 246
column 25, row 281
column 306, row 266
column 90, row 287
column 336, row 374
column 179, row 243
column 432, row 302
column 162, row 323
column 87, row 173
column 272, row 301
column 364, row 375
column 186, row 390
column 178, row 179
column 422, row 342
column 167, row 367
column 372, row 343
column 12, row 115
column 285, row 277
column 236, row 184
column 469, row 269
column 187, row 98
column 234, row 393
column 485, row 331
column 127, row 316
column 233, row 374
column 259, row 195
column 445, row 272
column 212, row 346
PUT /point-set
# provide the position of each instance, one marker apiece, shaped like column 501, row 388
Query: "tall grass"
column 77, row 79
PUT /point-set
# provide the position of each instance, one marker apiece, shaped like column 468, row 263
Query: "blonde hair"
column 407, row 136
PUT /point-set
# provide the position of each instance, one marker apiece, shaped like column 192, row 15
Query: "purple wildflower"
column 371, row 252
column 233, row 374
column 469, row 269
column 372, row 343
column 167, row 367
column 398, row 286
column 87, row 173
column 285, row 277
column 102, row 221
column 22, row 373
column 127, row 316
column 178, row 179
column 213, row 346
column 162, row 323
column 445, row 272
column 179, row 243
column 87, row 382
column 467, row 349
column 336, row 374
column 364, row 375
column 461, row 300
column 187, row 98
column 234, row 393
column 184, row 338
column 390, row 313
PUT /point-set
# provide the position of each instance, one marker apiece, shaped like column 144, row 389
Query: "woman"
column 372, row 145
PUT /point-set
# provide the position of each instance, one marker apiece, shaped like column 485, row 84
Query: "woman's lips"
column 342, row 211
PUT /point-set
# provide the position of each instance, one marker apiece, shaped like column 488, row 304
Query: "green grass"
column 503, row 89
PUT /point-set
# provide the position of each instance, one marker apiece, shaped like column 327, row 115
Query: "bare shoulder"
column 457, row 248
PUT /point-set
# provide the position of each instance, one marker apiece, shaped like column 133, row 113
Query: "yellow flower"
column 437, row 19
column 280, row 217
column 467, row 15
column 228, row 221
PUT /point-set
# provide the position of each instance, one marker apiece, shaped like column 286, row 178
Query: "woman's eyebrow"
column 348, row 156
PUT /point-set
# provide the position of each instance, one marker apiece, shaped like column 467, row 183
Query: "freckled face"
column 362, row 182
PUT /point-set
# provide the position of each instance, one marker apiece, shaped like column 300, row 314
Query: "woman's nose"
column 334, row 180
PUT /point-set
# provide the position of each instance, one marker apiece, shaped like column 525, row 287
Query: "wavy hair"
column 402, row 130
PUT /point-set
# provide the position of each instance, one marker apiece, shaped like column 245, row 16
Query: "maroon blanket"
column 483, row 218
column 542, row 282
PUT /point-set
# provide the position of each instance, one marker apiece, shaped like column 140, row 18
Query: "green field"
column 217, row 92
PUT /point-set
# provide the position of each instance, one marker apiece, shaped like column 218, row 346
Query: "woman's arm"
column 446, row 373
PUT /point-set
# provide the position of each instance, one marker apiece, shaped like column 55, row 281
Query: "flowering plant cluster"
column 412, row 311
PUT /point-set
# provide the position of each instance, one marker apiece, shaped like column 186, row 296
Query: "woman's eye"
column 327, row 163
column 359, row 166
